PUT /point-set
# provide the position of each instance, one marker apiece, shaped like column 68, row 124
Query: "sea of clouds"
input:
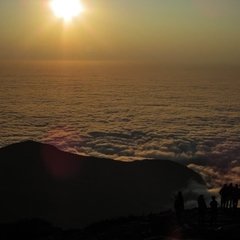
column 188, row 116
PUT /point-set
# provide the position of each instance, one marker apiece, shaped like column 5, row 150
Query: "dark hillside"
column 40, row 181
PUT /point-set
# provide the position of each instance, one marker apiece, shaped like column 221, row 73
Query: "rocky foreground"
column 150, row 227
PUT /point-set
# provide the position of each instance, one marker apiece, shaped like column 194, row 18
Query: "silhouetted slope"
column 38, row 180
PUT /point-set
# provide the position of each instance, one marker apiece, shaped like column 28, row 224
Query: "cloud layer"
column 192, row 117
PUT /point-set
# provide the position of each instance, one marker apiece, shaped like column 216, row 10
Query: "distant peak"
column 30, row 143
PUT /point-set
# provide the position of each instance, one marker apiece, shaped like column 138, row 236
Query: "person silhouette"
column 202, row 210
column 229, row 195
column 179, row 207
column 213, row 211
column 235, row 196
column 223, row 193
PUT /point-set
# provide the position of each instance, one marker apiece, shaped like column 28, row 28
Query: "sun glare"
column 66, row 9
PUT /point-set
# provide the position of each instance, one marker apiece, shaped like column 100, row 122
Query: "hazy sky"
column 186, row 31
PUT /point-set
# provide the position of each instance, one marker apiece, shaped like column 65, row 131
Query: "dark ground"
column 40, row 181
column 150, row 227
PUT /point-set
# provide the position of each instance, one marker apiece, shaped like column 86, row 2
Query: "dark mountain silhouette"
column 40, row 181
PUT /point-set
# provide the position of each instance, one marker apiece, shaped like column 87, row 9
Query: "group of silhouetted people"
column 230, row 194
column 202, row 209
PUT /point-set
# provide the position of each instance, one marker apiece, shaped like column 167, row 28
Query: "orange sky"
column 187, row 31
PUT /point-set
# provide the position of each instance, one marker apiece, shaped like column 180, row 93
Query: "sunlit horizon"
column 189, row 32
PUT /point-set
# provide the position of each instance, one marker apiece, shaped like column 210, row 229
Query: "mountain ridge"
column 74, row 190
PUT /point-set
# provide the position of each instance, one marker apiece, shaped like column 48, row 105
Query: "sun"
column 66, row 9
